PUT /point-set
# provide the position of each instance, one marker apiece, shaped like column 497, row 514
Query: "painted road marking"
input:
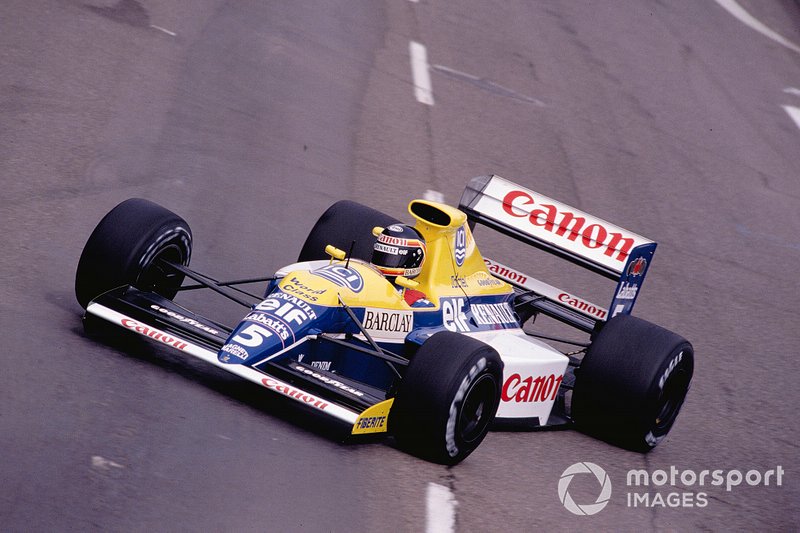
column 794, row 113
column 486, row 85
column 165, row 30
column 101, row 463
column 440, row 509
column 738, row 11
column 792, row 90
column 433, row 196
column 420, row 73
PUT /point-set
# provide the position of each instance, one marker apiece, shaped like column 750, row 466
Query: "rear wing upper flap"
column 564, row 231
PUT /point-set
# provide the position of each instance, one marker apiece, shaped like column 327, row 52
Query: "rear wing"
column 566, row 232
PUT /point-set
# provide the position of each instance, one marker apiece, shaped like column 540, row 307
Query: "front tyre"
column 447, row 399
column 126, row 248
column 632, row 383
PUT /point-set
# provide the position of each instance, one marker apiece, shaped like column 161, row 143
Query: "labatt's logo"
column 568, row 225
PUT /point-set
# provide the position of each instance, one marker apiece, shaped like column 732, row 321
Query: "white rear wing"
column 564, row 231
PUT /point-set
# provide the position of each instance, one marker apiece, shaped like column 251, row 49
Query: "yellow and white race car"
column 410, row 331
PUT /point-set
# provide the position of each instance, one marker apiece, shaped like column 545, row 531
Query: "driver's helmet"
column 399, row 251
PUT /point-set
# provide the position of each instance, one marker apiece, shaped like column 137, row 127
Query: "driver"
column 400, row 251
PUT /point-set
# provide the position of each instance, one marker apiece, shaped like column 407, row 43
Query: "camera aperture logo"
column 589, row 508
column 671, row 488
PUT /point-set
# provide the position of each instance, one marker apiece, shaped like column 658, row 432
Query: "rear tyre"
column 125, row 249
column 343, row 223
column 447, row 399
column 632, row 383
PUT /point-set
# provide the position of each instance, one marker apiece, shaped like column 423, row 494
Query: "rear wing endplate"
column 564, row 231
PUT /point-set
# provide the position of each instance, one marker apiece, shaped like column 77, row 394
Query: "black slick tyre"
column 632, row 383
column 447, row 398
column 125, row 249
column 340, row 225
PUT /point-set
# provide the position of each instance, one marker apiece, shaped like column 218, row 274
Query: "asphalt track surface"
column 250, row 117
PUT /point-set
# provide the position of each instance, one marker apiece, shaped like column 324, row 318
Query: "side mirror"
column 405, row 282
column 334, row 252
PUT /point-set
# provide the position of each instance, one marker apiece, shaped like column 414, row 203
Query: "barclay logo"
column 602, row 498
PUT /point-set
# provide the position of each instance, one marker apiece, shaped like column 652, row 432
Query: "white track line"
column 420, row 73
column 792, row 90
column 440, row 509
column 433, row 196
column 738, row 11
column 165, row 30
column 794, row 112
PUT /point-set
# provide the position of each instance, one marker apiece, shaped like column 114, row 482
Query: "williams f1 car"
column 332, row 332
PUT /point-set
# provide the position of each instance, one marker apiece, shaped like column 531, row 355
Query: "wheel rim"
column 477, row 409
column 670, row 400
column 157, row 276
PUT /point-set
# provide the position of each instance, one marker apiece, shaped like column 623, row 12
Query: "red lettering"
column 541, row 389
column 614, row 244
column 508, row 206
column 570, row 226
column 594, row 242
column 563, row 226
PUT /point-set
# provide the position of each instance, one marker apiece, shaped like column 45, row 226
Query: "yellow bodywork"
column 374, row 419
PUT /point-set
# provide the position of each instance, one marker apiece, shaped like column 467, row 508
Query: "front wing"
column 160, row 319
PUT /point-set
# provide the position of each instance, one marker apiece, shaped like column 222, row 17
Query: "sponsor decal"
column 458, row 283
column 672, row 364
column 297, row 394
column 388, row 322
column 627, row 291
column 341, row 276
column 289, row 311
column 491, row 314
column 637, row 267
column 388, row 249
column 487, row 281
column 371, row 422
column 582, row 305
column 252, row 335
column 325, row 379
column 395, row 228
column 270, row 305
column 453, row 316
column 458, row 399
column 154, row 334
column 396, row 241
column 461, row 246
column 506, row 273
column 322, row 365
column 276, row 325
column 568, row 225
column 236, row 350
column 297, row 287
column 374, row 419
column 529, row 389
column 185, row 320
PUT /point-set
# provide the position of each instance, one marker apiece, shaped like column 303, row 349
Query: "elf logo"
column 453, row 316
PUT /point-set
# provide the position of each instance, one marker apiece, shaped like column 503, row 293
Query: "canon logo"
column 568, row 225
column 539, row 389
column 297, row 394
column 154, row 334
column 505, row 272
column 582, row 305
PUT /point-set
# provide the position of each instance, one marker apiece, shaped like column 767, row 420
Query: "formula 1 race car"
column 335, row 334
